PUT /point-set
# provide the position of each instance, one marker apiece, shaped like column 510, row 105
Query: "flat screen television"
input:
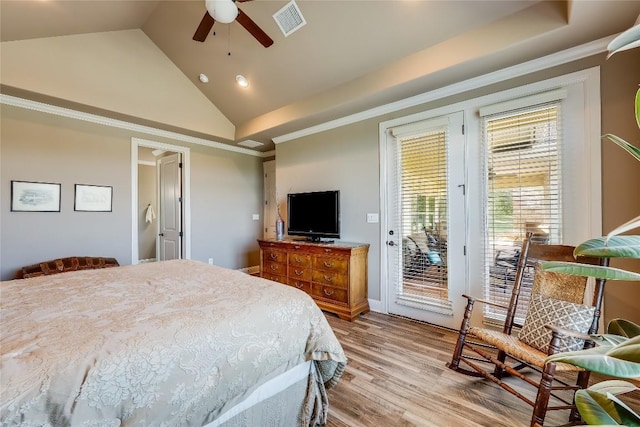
column 314, row 215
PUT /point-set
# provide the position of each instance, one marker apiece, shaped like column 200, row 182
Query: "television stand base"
column 319, row 240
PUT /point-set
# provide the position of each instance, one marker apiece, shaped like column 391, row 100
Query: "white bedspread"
column 169, row 343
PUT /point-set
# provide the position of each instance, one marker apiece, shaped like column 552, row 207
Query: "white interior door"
column 170, row 204
column 425, row 227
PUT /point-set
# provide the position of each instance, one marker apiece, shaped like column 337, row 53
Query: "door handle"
column 391, row 243
column 161, row 234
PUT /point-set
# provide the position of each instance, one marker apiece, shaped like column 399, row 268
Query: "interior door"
column 170, row 207
column 425, row 196
column 270, row 203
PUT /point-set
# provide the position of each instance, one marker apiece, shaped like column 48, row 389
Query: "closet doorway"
column 160, row 201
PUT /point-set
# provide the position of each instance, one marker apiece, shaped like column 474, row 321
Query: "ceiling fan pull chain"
column 228, row 40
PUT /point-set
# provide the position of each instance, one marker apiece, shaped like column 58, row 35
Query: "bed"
column 169, row 343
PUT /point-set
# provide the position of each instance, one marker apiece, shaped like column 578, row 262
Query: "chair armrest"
column 562, row 332
column 474, row 299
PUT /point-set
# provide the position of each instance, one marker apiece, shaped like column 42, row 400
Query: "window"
column 523, row 194
column 424, row 186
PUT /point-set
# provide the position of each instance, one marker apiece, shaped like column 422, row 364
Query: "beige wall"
column 226, row 190
column 347, row 158
column 621, row 177
column 94, row 70
column 147, row 194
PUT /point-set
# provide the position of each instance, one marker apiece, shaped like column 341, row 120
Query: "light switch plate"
column 256, row 217
column 372, row 217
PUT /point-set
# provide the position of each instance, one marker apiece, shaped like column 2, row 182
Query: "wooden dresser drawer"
column 331, row 278
column 275, row 256
column 329, row 292
column 298, row 260
column 333, row 274
column 335, row 264
column 300, row 273
column 275, row 268
column 300, row 284
column 275, row 278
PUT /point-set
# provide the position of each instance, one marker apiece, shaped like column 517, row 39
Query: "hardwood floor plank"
column 397, row 376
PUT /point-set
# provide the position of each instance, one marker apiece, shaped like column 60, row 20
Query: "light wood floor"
column 397, row 376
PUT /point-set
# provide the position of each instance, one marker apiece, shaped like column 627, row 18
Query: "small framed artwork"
column 93, row 198
column 29, row 196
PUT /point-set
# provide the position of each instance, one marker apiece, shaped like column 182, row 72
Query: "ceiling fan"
column 226, row 11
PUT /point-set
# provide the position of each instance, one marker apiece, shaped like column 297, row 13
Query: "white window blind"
column 523, row 194
column 423, row 213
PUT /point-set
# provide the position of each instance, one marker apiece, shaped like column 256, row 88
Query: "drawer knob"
column 273, row 255
column 298, row 272
column 328, row 264
column 299, row 285
column 297, row 259
column 327, row 292
column 328, row 278
column 297, row 246
column 274, row 267
column 327, row 250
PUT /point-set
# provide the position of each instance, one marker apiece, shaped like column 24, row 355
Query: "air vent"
column 289, row 18
column 250, row 143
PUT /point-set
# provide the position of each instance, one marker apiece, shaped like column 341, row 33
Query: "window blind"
column 523, row 194
column 423, row 213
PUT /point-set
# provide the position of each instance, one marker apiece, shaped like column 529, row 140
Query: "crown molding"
column 121, row 124
column 538, row 64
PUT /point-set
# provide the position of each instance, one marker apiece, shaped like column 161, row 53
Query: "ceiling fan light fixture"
column 242, row 81
column 223, row 11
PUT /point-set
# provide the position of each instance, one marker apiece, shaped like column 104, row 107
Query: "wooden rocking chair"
column 554, row 322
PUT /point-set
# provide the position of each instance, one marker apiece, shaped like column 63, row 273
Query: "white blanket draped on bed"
column 169, row 343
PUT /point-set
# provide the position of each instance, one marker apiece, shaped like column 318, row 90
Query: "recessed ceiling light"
column 242, row 80
column 203, row 78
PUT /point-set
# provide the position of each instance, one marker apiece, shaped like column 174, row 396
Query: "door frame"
column 383, row 132
column 186, row 193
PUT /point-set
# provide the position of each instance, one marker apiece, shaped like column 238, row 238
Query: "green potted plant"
column 617, row 353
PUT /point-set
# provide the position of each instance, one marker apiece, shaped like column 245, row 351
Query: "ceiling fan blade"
column 204, row 28
column 248, row 24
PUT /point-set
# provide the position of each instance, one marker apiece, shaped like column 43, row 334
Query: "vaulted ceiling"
column 350, row 56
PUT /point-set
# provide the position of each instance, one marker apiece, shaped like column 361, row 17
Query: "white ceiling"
column 351, row 55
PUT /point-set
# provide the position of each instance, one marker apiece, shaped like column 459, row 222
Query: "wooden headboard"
column 62, row 265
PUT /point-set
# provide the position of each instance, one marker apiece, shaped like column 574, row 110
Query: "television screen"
column 314, row 215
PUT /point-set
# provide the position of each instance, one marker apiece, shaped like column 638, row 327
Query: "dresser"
column 333, row 274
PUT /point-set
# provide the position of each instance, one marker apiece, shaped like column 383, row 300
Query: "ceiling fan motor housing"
column 223, row 11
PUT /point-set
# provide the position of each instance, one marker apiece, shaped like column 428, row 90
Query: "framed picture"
column 35, row 196
column 93, row 198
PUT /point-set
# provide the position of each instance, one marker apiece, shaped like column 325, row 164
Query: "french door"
column 425, row 220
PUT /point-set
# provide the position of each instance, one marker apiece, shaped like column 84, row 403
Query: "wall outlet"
column 372, row 217
column 211, row 261
column 255, row 217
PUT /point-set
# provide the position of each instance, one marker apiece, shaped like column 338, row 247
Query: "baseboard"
column 376, row 305
column 143, row 261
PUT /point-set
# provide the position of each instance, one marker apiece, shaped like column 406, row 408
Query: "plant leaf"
column 599, row 360
column 613, row 387
column 628, row 350
column 627, row 416
column 599, row 272
column 627, row 40
column 631, row 149
column 615, row 247
column 638, row 108
column 609, row 339
column 623, row 328
column 629, row 225
column 595, row 408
